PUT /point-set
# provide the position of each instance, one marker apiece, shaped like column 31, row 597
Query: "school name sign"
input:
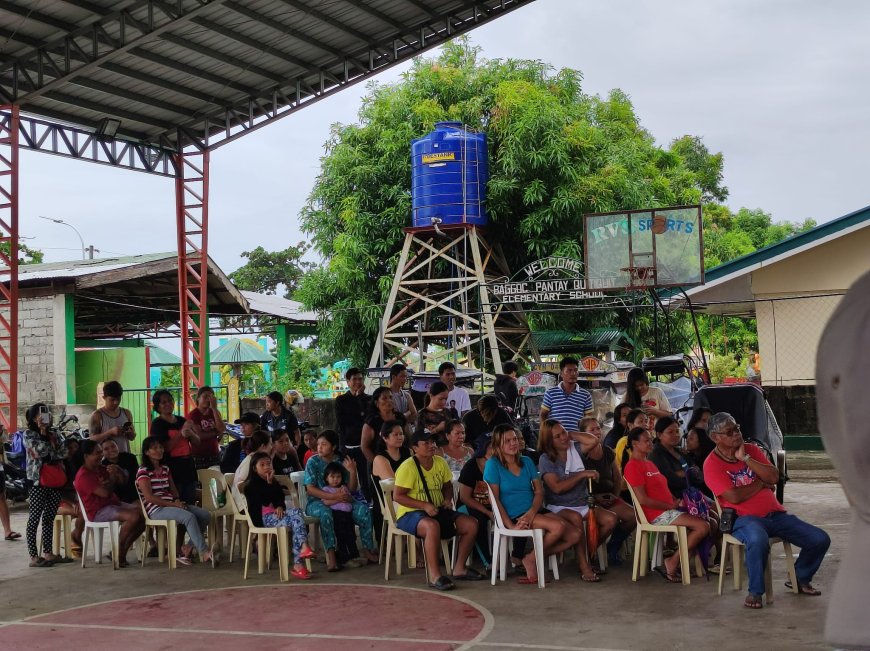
column 549, row 280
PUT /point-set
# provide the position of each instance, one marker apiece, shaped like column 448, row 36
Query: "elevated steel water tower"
column 447, row 260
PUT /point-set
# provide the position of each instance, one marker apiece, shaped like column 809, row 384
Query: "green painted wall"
column 127, row 366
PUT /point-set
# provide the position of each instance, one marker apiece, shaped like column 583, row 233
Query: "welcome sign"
column 549, row 280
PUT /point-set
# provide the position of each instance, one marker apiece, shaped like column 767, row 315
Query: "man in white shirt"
column 458, row 397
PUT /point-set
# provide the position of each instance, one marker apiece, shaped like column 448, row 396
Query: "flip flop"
column 41, row 562
column 670, row 578
column 591, row 579
column 528, row 580
column 13, row 535
column 443, row 584
column 753, row 601
column 60, row 559
column 470, row 575
column 805, row 588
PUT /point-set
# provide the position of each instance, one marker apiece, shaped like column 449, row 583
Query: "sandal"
column 805, row 588
column 55, row 559
column 13, row 535
column 302, row 574
column 470, row 575
column 443, row 584
column 183, row 560
column 528, row 580
column 753, row 601
column 670, row 578
column 310, row 553
column 40, row 562
column 591, row 579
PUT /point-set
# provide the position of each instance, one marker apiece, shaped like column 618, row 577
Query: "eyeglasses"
column 733, row 431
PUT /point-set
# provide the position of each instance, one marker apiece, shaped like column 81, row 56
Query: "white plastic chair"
column 264, row 546
column 167, row 536
column 221, row 519
column 96, row 530
column 238, row 525
column 292, row 495
column 500, row 541
column 738, row 558
column 62, row 533
column 313, row 524
column 641, row 543
column 397, row 536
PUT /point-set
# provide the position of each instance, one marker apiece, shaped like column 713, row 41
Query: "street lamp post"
column 60, row 221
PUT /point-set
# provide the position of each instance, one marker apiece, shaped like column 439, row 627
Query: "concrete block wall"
column 36, row 372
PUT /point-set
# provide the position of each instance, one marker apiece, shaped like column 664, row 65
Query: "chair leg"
column 722, row 566
column 683, row 544
column 172, row 544
column 261, row 553
column 639, row 543
column 115, row 539
column 98, row 548
column 538, row 543
column 161, row 543
column 283, row 553
column 388, row 558
column 412, row 553
column 789, row 566
column 88, row 532
column 247, row 553
column 737, row 565
column 496, row 556
column 400, row 543
column 445, row 552
column 554, row 567
column 768, row 581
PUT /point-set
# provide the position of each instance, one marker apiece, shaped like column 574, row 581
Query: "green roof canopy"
column 239, row 351
column 161, row 357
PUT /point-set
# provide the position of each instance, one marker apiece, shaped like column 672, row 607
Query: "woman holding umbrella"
column 566, row 490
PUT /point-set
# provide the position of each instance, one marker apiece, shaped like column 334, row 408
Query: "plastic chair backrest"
column 298, row 479
column 495, row 510
column 83, row 512
column 638, row 509
column 205, row 475
column 718, row 506
column 389, row 509
column 288, row 485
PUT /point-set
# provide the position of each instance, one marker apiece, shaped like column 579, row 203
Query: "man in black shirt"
column 350, row 412
column 505, row 386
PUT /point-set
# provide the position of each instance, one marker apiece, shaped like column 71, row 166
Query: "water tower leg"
column 488, row 323
column 378, row 351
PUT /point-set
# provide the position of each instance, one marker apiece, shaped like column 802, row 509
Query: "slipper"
column 60, row 559
column 302, row 574
column 443, row 584
column 528, row 580
column 670, row 578
column 184, row 560
column 591, row 579
column 13, row 535
column 753, row 601
column 470, row 575
column 40, row 562
column 805, row 588
column 309, row 554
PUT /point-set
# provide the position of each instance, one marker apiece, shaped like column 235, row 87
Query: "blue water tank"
column 449, row 171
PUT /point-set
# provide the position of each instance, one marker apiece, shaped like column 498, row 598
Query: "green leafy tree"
column 306, row 371
column 555, row 154
column 266, row 271
column 26, row 255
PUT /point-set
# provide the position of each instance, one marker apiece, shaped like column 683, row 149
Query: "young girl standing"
column 266, row 506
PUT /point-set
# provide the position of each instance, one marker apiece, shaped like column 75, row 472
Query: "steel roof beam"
column 95, row 9
column 35, row 15
column 71, row 142
column 64, row 98
column 95, row 37
column 223, row 58
column 289, row 31
column 248, row 115
column 329, row 20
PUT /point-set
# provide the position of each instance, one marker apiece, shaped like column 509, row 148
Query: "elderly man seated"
column 742, row 478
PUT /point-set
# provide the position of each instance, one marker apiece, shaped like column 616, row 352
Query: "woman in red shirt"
column 660, row 507
column 177, row 440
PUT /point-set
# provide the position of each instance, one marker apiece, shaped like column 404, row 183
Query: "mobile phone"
column 44, row 415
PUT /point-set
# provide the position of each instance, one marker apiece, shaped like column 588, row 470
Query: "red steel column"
column 191, row 203
column 9, row 267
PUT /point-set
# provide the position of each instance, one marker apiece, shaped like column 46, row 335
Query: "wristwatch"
column 746, row 458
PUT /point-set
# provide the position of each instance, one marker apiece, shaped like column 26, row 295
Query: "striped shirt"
column 567, row 408
column 159, row 480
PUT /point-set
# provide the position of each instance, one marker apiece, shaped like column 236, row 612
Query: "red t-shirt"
column 165, row 432
column 208, row 438
column 647, row 475
column 86, row 482
column 720, row 476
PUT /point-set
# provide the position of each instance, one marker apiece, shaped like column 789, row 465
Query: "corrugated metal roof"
column 600, row 339
column 212, row 68
column 280, row 307
column 76, row 268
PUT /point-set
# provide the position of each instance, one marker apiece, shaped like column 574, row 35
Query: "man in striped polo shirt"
column 566, row 402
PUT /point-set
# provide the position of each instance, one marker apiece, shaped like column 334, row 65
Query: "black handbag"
column 726, row 521
column 446, row 517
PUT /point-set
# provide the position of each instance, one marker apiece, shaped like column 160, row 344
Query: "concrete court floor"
column 569, row 614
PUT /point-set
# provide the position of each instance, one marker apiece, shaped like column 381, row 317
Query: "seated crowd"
column 579, row 487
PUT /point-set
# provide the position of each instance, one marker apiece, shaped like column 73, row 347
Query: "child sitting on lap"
column 342, row 506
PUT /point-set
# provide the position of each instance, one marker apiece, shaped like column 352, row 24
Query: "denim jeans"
column 194, row 519
column 755, row 532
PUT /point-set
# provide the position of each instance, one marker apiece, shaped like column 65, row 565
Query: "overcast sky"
column 779, row 86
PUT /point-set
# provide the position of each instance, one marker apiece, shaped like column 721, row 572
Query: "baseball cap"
column 248, row 417
column 422, row 435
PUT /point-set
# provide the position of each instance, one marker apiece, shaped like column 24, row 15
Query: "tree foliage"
column 555, row 154
column 26, row 255
column 266, row 271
